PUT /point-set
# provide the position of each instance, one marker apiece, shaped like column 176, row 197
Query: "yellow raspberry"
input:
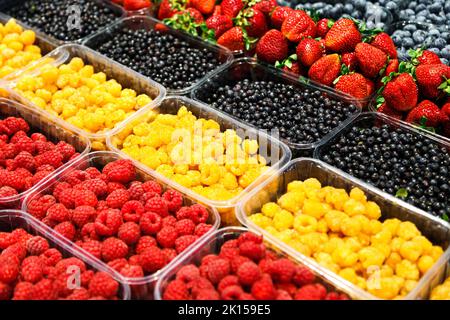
column 386, row 271
column 349, row 274
column 283, row 220
column 229, row 181
column 295, row 185
column 384, row 248
column 270, row 209
column 260, row 220
column 393, row 259
column 165, row 170
column 332, row 244
column 373, row 211
column 423, row 243
column 312, row 183
column 353, row 207
column 409, row 250
column 407, row 270
column 322, row 226
column 407, row 230
column 344, row 256
column 337, row 198
column 334, row 219
column 350, row 227
column 384, row 236
column 194, row 176
column 397, row 243
column 315, row 208
column 182, row 180
column 300, row 247
column 358, row 195
column 287, row 236
column 250, row 146
column 143, row 100
column 371, row 256
column 435, row 252
column 384, row 288
column 292, row 201
column 304, row 224
column 441, row 292
column 373, row 227
column 425, row 263
column 392, row 225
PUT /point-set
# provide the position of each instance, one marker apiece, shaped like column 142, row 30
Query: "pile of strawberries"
column 246, row 270
column 133, row 226
column 418, row 91
column 31, row 270
column 134, row 5
column 26, row 158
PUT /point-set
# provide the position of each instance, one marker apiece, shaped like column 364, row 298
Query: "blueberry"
column 435, row 8
column 440, row 43
column 419, row 36
column 435, row 50
column 445, row 53
column 410, row 27
column 408, row 42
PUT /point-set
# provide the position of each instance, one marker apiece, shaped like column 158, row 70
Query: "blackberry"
column 164, row 57
column 54, row 17
column 407, row 165
column 301, row 116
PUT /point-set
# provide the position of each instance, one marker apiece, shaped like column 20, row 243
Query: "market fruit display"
column 344, row 232
column 135, row 227
column 399, row 162
column 441, row 292
column 245, row 269
column 32, row 269
column 219, row 166
column 65, row 20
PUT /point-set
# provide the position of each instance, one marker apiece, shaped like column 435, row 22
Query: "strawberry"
column 272, row 47
column 309, row 51
column 432, row 78
column 343, row 36
column 206, row 7
column 195, row 14
column 220, row 24
column 231, row 8
column 278, row 16
column 356, row 85
column 387, row 110
column 326, row 69
column 235, row 39
column 323, row 26
column 384, row 42
column 446, row 108
column 371, row 60
column 217, row 11
column 421, row 56
column 265, row 6
column 426, row 114
column 350, row 60
column 401, row 93
column 294, row 68
column 169, row 8
column 298, row 25
column 253, row 21
column 134, row 5
column 392, row 67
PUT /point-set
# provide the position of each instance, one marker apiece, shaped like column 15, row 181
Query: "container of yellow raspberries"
column 349, row 231
column 86, row 91
column 200, row 151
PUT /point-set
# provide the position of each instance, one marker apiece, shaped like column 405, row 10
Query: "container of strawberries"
column 121, row 217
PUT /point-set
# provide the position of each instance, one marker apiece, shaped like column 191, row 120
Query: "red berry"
column 303, row 276
column 232, row 293
column 5, row 291
column 282, row 270
column 98, row 186
column 113, row 248
column 218, row 269
column 185, row 227
column 188, row 273
column 198, row 214
column 37, row 245
column 129, row 232
column 122, row 171
column 250, row 236
column 118, row 264
column 144, row 243
column 67, row 198
column 170, row 254
column 168, row 221
column 227, row 281
column 58, row 213
column 132, row 211
column 183, row 242
column 132, row 271
column 25, row 160
column 263, row 289
column 310, row 292
column 9, row 271
column 65, row 149
column 82, row 215
column 166, row 237
column 152, row 186
column 176, row 290
column 152, row 259
column 51, row 257
column 117, row 198
column 202, row 228
column 136, row 191
column 252, row 250
column 157, row 205
column 103, row 285
column 23, row 291
column 108, row 222
column 150, row 223
column 53, row 158
column 248, row 273
column 173, row 199
column 32, row 271
column 85, row 198
column 93, row 247
column 66, row 229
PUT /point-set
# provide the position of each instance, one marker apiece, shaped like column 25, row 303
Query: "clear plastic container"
column 149, row 23
column 125, row 76
column 118, row 10
column 276, row 152
column 246, row 68
column 212, row 245
column 55, row 131
column 375, row 118
column 438, row 278
column 141, row 288
column 303, row 168
column 14, row 219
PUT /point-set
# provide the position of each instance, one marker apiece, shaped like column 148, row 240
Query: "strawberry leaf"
column 344, row 69
column 401, row 193
column 445, row 217
column 380, row 100
column 330, row 23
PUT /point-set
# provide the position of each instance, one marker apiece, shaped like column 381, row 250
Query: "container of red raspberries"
column 235, row 264
column 121, row 217
column 65, row 21
column 393, row 156
column 37, row 266
column 317, row 177
column 175, row 59
column 33, row 147
column 266, row 98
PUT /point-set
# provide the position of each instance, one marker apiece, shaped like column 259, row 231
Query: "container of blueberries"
column 264, row 97
column 438, row 231
column 64, row 21
column 175, row 59
column 430, row 11
column 401, row 160
column 413, row 35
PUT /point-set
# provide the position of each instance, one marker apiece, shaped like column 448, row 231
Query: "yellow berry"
column 409, row 250
column 425, row 263
column 292, row 201
column 353, row 207
column 407, row 230
column 407, row 270
column 315, row 208
column 270, row 209
column 304, row 224
column 283, row 220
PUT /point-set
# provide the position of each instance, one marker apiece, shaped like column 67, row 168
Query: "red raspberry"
column 93, row 172
column 248, row 273
column 113, row 248
column 98, row 186
column 132, row 211
column 113, row 186
column 66, row 229
column 117, row 198
column 147, row 196
column 32, row 272
column 37, row 245
column 237, row 261
column 152, row 186
column 21, row 235
column 265, row 265
column 75, row 177
column 231, row 244
column 282, row 270
column 78, row 294
column 174, row 200
column 9, row 272
column 18, row 250
column 152, row 259
column 183, row 242
column 252, row 250
column 246, row 296
column 65, row 149
column 157, row 205
column 5, row 291
column 176, row 290
column 250, row 236
column 122, row 171
column 88, row 232
column 218, row 269
column 15, row 124
column 13, row 180
column 263, row 289
column 288, row 287
column 198, row 285
column 58, row 213
column 51, row 257
column 85, row 198
column 108, row 222
column 42, row 146
column 170, row 254
column 129, row 233
column 16, row 137
column 53, row 158
column 232, row 293
column 103, row 285
column 40, row 175
column 168, row 221
column 202, row 229
column 82, row 215
column 135, row 260
column 283, row 295
column 6, row 240
column 86, row 278
column 6, row 192
column 132, row 271
column 188, row 273
column 303, row 276
column 25, row 160
column 166, row 237
column 229, row 253
column 64, row 264
column 59, row 187
column 198, row 214
column 230, row 280
column 93, row 247
column 150, row 223
column 67, row 198
column 206, row 260
column 183, row 213
column 144, row 243
column 185, row 227
column 311, row 292
column 44, row 290
column 207, row 295
column 23, row 291
column 135, row 189
column 332, row 296
column 45, row 167
column 102, row 205
column 118, row 264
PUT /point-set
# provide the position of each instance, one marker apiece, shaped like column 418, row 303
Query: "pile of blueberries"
column 430, row 11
